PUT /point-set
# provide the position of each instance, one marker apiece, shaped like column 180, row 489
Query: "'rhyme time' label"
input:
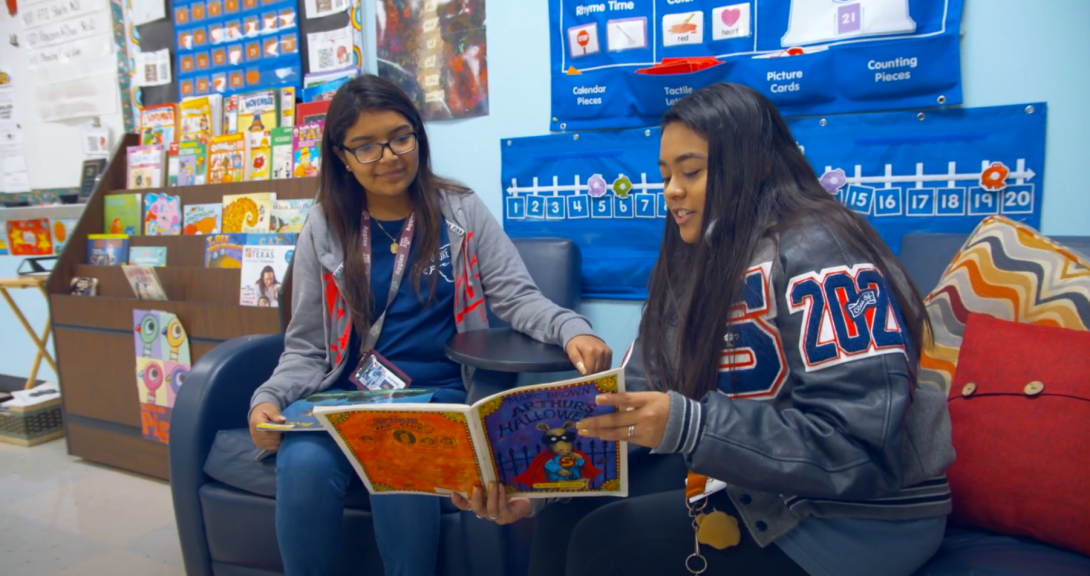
column 588, row 9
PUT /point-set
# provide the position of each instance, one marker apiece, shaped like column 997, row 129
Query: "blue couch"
column 228, row 531
column 967, row 551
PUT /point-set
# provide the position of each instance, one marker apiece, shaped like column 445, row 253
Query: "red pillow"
column 1020, row 410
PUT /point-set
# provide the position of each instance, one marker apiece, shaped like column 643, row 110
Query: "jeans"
column 312, row 476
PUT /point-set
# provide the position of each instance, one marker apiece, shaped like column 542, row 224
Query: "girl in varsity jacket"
column 777, row 355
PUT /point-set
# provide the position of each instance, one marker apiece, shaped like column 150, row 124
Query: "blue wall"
column 1012, row 52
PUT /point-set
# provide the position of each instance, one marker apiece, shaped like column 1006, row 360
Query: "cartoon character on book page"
column 535, row 449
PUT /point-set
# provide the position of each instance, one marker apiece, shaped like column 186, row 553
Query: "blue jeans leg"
column 312, row 476
column 407, row 531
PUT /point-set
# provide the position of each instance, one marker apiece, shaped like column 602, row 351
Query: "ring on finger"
column 494, row 518
column 631, row 430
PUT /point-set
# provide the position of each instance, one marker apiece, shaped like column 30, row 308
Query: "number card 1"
column 516, row 208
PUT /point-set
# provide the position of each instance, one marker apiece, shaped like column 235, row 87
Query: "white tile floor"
column 62, row 516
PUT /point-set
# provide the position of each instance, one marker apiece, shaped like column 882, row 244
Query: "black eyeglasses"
column 372, row 152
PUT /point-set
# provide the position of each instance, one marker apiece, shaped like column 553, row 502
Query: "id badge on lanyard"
column 375, row 372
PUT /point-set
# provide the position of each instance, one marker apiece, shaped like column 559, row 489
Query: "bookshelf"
column 93, row 335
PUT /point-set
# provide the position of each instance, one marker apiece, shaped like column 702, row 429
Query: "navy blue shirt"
column 415, row 329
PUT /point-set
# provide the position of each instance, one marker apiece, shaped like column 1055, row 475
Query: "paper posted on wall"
column 319, row 8
column 332, row 50
column 152, row 68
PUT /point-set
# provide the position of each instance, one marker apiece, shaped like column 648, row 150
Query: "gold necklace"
column 394, row 245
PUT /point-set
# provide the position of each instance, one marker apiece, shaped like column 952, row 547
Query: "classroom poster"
column 934, row 171
column 436, row 52
column 808, row 56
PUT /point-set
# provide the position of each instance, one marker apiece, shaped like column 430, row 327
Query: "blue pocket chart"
column 935, row 171
column 856, row 55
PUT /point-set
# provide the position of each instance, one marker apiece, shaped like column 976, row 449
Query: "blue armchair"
column 227, row 528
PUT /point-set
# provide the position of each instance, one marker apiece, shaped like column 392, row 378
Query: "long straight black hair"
column 758, row 184
column 343, row 200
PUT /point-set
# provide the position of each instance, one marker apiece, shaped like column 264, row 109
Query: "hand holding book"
column 640, row 418
column 496, row 506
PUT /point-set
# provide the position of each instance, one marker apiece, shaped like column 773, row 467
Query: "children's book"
column 289, row 215
column 62, row 232
column 263, row 270
column 30, row 237
column 230, row 114
column 122, row 214
column 107, row 249
column 226, row 158
column 201, row 118
column 247, row 212
column 257, row 116
column 145, row 168
column 223, row 250
column 145, row 282
column 312, row 112
column 299, row 415
column 162, row 215
column 3, row 238
column 148, row 255
column 83, row 286
column 287, row 106
column 172, row 164
column 282, row 160
column 187, row 164
column 90, row 174
column 307, row 143
column 159, row 125
column 202, row 219
column 524, row 438
column 259, row 156
column 271, row 239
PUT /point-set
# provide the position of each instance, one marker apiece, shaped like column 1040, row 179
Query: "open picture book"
column 525, row 438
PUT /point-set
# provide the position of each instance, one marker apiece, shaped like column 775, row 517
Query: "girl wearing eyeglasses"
column 395, row 260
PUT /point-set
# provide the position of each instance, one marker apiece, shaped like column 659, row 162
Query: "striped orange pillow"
column 1008, row 271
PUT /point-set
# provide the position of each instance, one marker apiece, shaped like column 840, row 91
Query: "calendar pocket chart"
column 935, row 171
column 232, row 46
column 602, row 190
column 807, row 56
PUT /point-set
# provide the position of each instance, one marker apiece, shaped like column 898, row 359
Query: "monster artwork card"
column 524, row 438
column 162, row 364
